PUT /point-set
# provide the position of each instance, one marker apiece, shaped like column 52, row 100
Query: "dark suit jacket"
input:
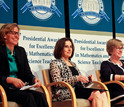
column 24, row 72
column 108, row 71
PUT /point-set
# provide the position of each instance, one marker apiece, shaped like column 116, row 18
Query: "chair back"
column 47, row 80
column 3, row 97
column 98, row 75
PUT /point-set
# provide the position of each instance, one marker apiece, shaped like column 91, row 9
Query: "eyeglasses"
column 14, row 33
column 119, row 48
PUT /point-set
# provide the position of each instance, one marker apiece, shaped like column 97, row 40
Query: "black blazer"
column 24, row 72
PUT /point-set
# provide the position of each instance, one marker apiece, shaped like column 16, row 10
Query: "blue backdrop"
column 79, row 24
column 6, row 11
column 55, row 20
column 119, row 17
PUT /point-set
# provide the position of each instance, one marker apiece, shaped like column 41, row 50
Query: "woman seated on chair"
column 15, row 70
column 63, row 69
column 113, row 69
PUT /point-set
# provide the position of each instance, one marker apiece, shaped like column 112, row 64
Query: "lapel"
column 5, row 51
column 17, row 57
column 5, row 56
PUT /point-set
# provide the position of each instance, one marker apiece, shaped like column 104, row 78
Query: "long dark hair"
column 59, row 47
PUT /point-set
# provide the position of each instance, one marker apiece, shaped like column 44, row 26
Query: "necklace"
column 116, row 62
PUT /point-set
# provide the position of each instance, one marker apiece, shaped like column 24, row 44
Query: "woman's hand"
column 15, row 81
column 83, row 79
column 36, row 80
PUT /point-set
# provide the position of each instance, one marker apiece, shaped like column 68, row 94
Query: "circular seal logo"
column 123, row 8
column 42, row 13
column 42, row 9
column 91, row 6
column 91, row 11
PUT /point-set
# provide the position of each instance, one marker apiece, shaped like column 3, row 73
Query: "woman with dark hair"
column 15, row 70
column 113, row 69
column 63, row 69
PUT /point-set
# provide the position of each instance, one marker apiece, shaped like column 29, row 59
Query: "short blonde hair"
column 111, row 44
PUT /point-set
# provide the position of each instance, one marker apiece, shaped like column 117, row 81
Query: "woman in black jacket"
column 15, row 70
column 113, row 69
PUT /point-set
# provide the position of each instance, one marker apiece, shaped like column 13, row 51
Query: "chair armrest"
column 103, row 86
column 117, row 82
column 71, row 90
column 45, row 91
column 3, row 97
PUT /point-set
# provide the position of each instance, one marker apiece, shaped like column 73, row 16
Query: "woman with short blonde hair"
column 113, row 69
column 113, row 43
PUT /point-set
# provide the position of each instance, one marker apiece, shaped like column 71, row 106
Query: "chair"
column 73, row 102
column 6, row 103
column 110, row 82
column 3, row 97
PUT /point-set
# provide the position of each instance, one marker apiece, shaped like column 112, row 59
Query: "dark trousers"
column 27, row 98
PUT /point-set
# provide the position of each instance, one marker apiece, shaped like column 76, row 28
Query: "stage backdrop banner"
column 119, row 17
column 45, row 13
column 6, row 11
column 93, row 15
column 90, row 28
column 90, row 51
column 119, row 20
column 39, row 46
column 42, row 24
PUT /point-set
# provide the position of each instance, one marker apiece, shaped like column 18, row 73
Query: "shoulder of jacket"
column 106, row 61
column 58, row 62
column 19, row 48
